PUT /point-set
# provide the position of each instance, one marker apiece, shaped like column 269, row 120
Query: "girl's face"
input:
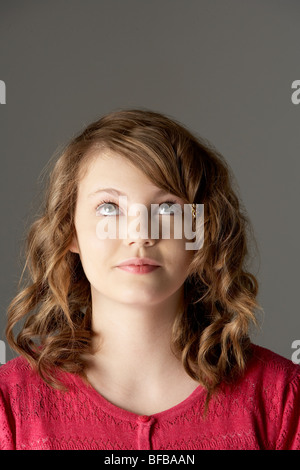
column 108, row 176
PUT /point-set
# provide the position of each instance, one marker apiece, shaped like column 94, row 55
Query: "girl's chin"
column 134, row 296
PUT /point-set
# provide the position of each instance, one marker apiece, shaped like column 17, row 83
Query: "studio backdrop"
column 228, row 70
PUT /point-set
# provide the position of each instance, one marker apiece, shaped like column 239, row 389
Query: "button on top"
column 144, row 418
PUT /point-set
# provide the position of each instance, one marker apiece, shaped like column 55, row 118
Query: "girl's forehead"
column 106, row 167
column 100, row 164
column 113, row 173
column 112, row 167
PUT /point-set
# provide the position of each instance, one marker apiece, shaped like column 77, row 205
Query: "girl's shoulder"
column 268, row 378
column 265, row 362
column 15, row 367
column 16, row 372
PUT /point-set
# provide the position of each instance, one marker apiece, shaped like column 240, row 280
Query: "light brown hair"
column 211, row 335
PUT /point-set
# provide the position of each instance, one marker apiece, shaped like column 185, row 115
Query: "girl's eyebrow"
column 116, row 192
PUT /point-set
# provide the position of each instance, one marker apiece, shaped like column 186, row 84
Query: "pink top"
column 260, row 411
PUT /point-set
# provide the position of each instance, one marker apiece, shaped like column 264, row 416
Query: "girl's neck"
column 133, row 357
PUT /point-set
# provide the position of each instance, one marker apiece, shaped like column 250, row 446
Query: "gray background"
column 222, row 68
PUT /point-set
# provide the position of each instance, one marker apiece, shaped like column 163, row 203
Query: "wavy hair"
column 211, row 335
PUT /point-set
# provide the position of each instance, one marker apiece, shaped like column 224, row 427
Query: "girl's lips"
column 138, row 269
column 139, row 262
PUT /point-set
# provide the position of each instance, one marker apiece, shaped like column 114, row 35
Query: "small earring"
column 194, row 211
column 194, row 214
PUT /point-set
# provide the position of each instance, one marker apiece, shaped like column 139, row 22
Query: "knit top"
column 261, row 410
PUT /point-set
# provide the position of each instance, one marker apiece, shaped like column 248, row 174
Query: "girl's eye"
column 166, row 208
column 107, row 208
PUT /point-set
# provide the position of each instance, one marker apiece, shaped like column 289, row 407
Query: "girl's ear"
column 74, row 247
